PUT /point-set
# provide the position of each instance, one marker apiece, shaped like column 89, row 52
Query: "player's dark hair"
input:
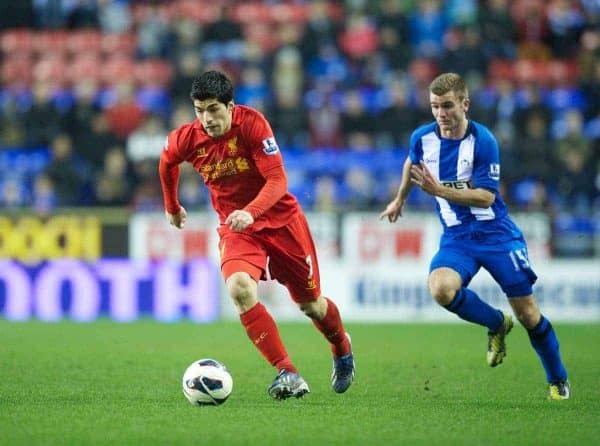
column 212, row 85
column 447, row 82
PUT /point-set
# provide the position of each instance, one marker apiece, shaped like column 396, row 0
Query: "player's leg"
column 512, row 270
column 450, row 272
column 294, row 263
column 241, row 277
column 545, row 343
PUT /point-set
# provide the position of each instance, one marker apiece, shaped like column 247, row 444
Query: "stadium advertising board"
column 151, row 237
column 31, row 239
column 120, row 289
column 415, row 237
column 397, row 292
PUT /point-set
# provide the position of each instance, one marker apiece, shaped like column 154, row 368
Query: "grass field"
column 112, row 384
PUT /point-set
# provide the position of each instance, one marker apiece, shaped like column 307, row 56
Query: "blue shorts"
column 507, row 262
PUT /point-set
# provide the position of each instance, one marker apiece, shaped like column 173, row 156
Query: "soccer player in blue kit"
column 456, row 160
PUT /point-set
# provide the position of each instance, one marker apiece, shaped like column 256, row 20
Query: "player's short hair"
column 212, row 85
column 447, row 82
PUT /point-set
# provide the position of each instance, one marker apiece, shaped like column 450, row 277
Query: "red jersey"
column 233, row 166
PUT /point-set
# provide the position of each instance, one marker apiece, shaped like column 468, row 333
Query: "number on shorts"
column 520, row 259
column 310, row 267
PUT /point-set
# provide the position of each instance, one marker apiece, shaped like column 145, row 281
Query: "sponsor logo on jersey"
column 494, row 172
column 270, row 146
column 232, row 146
column 458, row 184
column 201, row 152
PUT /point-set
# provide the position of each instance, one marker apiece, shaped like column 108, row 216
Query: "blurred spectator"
column 66, row 171
column 394, row 37
column 114, row 16
column 147, row 141
column 463, row 53
column 355, row 119
column 44, row 199
column 153, row 33
column 320, row 30
column 42, row 119
column 575, row 176
column 113, row 185
column 124, row 115
column 84, row 14
column 188, row 64
column 565, row 23
column 427, row 27
column 497, row 29
column 223, row 38
column 288, row 118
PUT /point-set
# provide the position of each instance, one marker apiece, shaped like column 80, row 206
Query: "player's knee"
column 242, row 289
column 315, row 309
column 442, row 291
column 529, row 316
column 443, row 284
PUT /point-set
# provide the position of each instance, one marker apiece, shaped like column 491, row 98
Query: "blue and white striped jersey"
column 471, row 162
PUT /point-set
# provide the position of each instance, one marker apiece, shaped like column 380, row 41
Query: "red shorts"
column 292, row 259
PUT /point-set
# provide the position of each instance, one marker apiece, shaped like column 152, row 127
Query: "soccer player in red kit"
column 233, row 148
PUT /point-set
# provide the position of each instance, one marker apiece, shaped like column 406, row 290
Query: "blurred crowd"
column 90, row 88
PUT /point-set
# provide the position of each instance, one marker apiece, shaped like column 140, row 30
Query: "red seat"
column 17, row 41
column 262, row 34
column 118, row 69
column 85, row 41
column 501, row 69
column 288, row 13
column 189, row 9
column 250, row 13
column 85, row 66
column 562, row 72
column 17, row 69
column 423, row 71
column 51, row 68
column 527, row 71
column 153, row 72
column 119, row 44
column 51, row 42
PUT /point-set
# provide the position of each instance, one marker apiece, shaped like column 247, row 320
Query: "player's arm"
column 394, row 208
column 478, row 197
column 268, row 160
column 274, row 188
column 168, row 170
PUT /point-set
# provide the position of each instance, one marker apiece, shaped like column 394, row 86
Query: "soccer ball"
column 207, row 382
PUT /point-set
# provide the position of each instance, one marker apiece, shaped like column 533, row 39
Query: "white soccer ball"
column 207, row 382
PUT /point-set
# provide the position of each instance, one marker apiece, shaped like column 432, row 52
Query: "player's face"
column 214, row 116
column 450, row 114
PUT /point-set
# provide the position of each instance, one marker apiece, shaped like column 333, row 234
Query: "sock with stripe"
column 468, row 306
column 333, row 329
column 544, row 341
column 264, row 334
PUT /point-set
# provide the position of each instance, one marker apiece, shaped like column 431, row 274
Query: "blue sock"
column 468, row 306
column 544, row 341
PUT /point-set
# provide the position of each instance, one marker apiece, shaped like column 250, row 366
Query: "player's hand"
column 422, row 177
column 393, row 210
column 178, row 219
column 239, row 220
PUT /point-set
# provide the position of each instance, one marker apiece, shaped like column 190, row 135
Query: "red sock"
column 331, row 326
column 264, row 334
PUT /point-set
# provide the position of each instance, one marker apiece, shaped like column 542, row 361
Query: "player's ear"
column 230, row 105
column 466, row 104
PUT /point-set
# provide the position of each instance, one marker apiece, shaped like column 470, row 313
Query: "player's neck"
column 457, row 132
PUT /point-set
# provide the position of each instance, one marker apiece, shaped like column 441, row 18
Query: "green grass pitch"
column 106, row 383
